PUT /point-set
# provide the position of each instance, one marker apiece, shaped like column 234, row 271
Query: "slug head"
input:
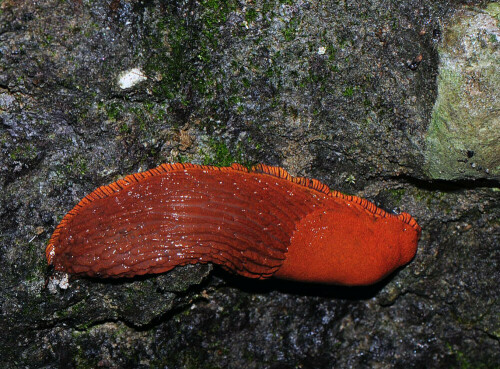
column 346, row 244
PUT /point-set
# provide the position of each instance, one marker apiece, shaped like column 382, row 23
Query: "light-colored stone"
column 463, row 139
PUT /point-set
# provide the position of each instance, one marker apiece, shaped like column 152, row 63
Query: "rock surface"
column 346, row 92
column 464, row 135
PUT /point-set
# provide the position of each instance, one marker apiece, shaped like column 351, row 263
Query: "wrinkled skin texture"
column 258, row 224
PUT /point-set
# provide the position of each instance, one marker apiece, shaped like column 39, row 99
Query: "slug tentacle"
column 252, row 222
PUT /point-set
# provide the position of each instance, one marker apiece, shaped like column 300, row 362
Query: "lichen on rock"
column 464, row 135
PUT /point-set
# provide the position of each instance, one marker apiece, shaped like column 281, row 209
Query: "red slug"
column 258, row 223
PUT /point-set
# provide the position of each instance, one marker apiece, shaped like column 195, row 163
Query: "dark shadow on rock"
column 266, row 286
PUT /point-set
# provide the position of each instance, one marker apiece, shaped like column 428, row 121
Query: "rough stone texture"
column 464, row 134
column 339, row 91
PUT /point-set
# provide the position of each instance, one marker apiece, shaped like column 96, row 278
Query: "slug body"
column 258, row 223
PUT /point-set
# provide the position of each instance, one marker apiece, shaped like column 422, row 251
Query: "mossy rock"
column 463, row 139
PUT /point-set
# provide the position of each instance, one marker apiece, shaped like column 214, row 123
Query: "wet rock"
column 339, row 91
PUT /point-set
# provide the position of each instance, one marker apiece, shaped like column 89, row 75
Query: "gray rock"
column 345, row 92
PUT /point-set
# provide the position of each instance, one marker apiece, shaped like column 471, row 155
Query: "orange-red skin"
column 366, row 248
column 258, row 223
